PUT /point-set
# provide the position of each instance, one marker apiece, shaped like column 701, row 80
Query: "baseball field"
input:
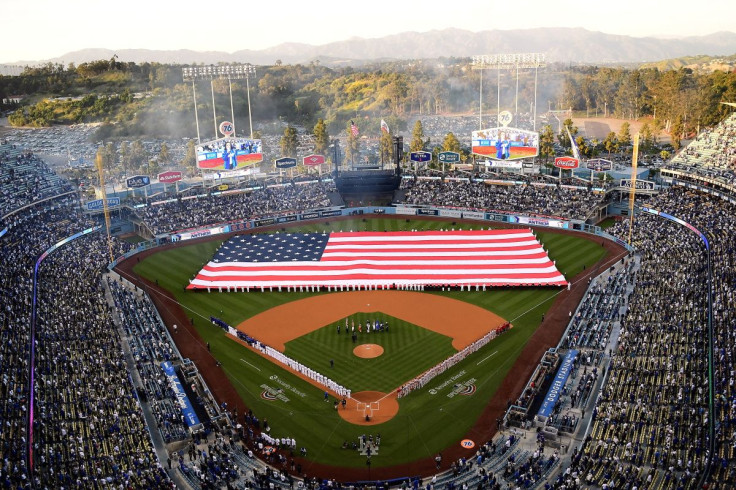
column 425, row 328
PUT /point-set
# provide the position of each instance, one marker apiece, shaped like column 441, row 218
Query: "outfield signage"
column 96, row 205
column 286, row 219
column 169, row 177
column 502, row 164
column 138, row 181
column 449, row 157
column 428, row 212
column 190, row 418
column 528, row 220
column 189, row 235
column 567, row 163
column 641, row 185
column 405, row 210
column 264, row 222
column 554, row 392
column 599, row 164
column 420, row 156
column 313, row 160
column 286, row 162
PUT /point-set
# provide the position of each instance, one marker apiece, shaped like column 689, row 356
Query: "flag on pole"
column 503, row 257
column 384, row 126
column 354, row 129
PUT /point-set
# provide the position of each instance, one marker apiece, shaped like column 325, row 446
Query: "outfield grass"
column 429, row 420
column 409, row 350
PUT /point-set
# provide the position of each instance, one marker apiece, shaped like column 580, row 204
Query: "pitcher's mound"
column 368, row 351
column 378, row 406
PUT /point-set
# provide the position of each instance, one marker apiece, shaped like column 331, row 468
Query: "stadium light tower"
column 508, row 61
column 220, row 72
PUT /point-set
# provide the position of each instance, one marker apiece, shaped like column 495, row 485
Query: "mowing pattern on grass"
column 409, row 350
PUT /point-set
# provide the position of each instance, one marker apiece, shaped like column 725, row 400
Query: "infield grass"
column 430, row 419
column 408, row 351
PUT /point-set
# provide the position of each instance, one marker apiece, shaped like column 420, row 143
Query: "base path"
column 278, row 325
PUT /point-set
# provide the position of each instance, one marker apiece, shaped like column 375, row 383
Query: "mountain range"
column 567, row 45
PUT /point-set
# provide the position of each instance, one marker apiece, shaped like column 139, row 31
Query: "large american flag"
column 380, row 259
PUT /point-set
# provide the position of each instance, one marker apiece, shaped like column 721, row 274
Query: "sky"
column 44, row 29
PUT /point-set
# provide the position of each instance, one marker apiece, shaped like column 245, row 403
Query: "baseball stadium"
column 414, row 322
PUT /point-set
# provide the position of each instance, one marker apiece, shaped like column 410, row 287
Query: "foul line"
column 251, row 365
column 486, row 358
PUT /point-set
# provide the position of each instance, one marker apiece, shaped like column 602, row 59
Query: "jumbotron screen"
column 505, row 143
column 229, row 153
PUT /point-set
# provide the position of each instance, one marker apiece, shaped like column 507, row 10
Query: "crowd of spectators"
column 87, row 428
column 150, row 345
column 191, row 213
column 24, row 179
column 711, row 154
column 650, row 423
column 533, row 198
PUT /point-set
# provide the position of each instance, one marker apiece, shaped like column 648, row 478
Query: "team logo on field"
column 465, row 388
column 272, row 394
column 468, row 390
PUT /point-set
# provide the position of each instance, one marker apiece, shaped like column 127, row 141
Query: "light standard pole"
column 249, row 69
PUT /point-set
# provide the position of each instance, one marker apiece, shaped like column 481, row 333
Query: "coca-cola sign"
column 567, row 163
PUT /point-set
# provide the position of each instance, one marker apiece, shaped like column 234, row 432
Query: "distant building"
column 13, row 99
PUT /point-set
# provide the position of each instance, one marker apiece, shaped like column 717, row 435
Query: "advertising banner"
column 449, row 157
column 567, row 163
column 190, row 418
column 502, row 164
column 169, row 177
column 599, row 164
column 451, row 213
column 504, row 143
column 427, row 212
column 227, row 128
column 554, row 392
column 420, row 156
column 642, row 185
column 229, row 153
column 264, row 222
column 138, row 181
column 334, row 212
column 528, row 220
column 96, row 205
column 313, row 160
column 286, row 162
column 189, row 235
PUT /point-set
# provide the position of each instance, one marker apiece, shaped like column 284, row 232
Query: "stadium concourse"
column 635, row 410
